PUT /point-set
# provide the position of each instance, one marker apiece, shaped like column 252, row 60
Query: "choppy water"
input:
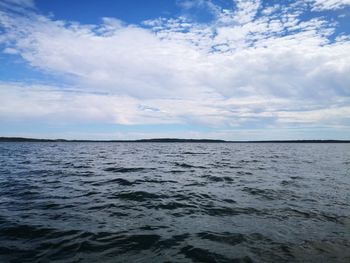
column 174, row 202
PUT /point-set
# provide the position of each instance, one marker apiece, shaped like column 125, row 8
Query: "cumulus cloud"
column 253, row 65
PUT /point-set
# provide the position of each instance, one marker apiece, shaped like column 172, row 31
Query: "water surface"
column 174, row 202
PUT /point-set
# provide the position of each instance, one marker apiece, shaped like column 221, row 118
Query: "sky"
column 131, row 69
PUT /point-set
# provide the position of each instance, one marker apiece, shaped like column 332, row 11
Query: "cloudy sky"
column 128, row 69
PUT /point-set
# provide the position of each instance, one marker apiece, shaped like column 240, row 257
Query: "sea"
column 174, row 202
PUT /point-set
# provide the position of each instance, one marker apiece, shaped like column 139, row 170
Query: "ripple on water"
column 124, row 169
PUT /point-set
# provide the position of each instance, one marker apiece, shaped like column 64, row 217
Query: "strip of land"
column 168, row 140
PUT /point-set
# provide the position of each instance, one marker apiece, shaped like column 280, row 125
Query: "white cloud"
column 17, row 5
column 321, row 5
column 246, row 10
column 10, row 51
column 253, row 65
column 54, row 104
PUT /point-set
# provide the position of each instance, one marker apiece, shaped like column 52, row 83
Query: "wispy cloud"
column 319, row 5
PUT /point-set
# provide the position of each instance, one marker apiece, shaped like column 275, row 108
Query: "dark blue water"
column 174, row 202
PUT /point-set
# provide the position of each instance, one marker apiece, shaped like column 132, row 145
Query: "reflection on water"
column 174, row 202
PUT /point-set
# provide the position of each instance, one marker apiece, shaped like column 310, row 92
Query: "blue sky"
column 236, row 70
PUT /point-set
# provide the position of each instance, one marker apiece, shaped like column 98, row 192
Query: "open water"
column 174, row 202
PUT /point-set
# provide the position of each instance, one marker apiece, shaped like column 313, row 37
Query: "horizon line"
column 170, row 140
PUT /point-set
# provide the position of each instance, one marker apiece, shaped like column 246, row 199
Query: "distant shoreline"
column 168, row 140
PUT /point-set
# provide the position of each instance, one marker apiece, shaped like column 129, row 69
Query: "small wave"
column 322, row 216
column 82, row 166
column 102, row 207
column 177, row 171
column 153, row 181
column 119, row 181
column 196, row 184
column 244, row 173
column 124, row 170
column 173, row 241
column 138, row 196
column 49, row 206
column 174, row 205
column 235, row 167
column 270, row 194
column 116, row 244
column 232, row 211
column 226, row 165
column 150, row 228
column 230, row 201
column 24, row 231
column 227, row 238
column 91, row 193
column 214, row 178
column 286, row 183
column 204, row 255
column 194, row 153
column 307, row 161
column 185, row 165
column 249, row 161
